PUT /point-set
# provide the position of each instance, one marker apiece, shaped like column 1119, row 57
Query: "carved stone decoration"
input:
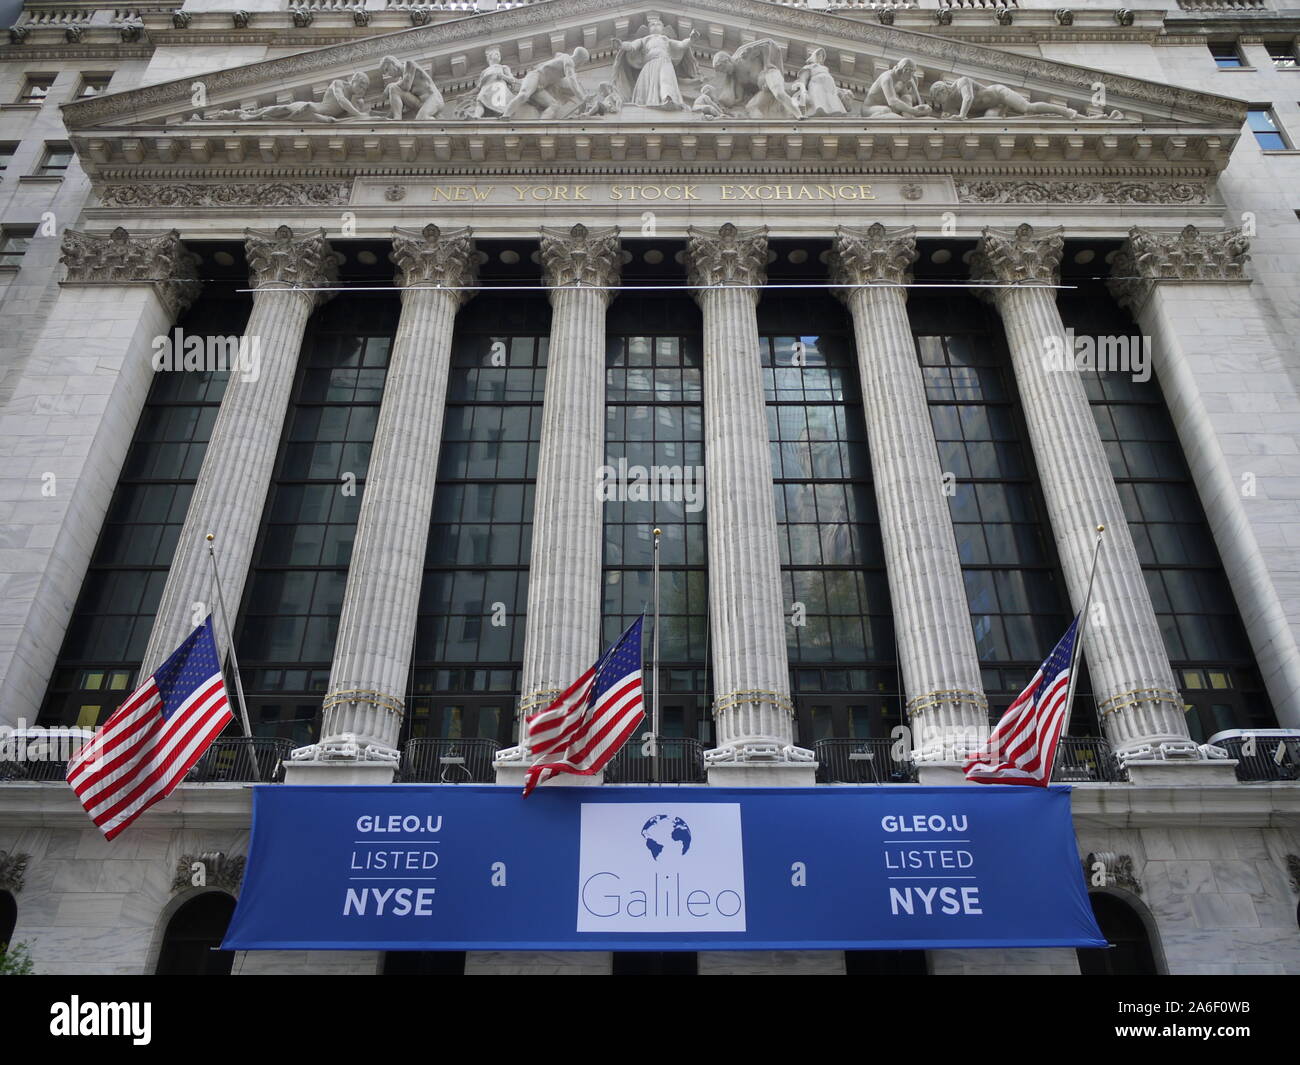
column 1293, row 871
column 647, row 68
column 896, row 92
column 343, row 98
column 1119, row 870
column 131, row 30
column 360, row 16
column 1124, row 17
column 421, row 16
column 1064, row 16
column 753, row 82
column 409, row 91
column 1018, row 256
column 437, row 258
column 552, row 87
column 302, row 18
column 963, row 98
column 863, row 256
column 816, row 93
column 731, row 256
column 74, row 34
column 1119, row 192
column 181, row 19
column 18, row 34
column 943, row 16
column 885, row 16
column 912, row 191
column 581, row 256
column 395, row 193
column 220, row 870
column 13, row 867
column 281, row 259
column 119, row 258
column 241, row 19
column 492, row 94
column 310, row 194
column 1149, row 256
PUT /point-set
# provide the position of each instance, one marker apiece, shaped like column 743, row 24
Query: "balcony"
column 1087, row 760
column 860, row 762
column 1264, row 756
column 679, row 761
column 238, row 759
column 448, row 761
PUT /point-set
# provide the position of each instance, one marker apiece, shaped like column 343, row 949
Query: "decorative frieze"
column 238, row 194
column 119, row 258
column 1081, row 192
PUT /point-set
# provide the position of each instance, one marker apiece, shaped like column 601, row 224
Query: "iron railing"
column 1084, row 759
column 868, row 761
column 238, row 759
column 36, row 769
column 444, row 761
column 680, row 760
column 1259, row 758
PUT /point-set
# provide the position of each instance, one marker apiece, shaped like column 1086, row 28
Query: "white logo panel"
column 661, row 867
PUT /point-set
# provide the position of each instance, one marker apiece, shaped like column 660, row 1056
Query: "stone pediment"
column 575, row 82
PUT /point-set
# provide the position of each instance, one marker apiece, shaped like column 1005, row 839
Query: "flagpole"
column 234, row 661
column 654, row 670
column 1078, row 638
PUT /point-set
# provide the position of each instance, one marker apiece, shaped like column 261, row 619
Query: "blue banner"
column 465, row 867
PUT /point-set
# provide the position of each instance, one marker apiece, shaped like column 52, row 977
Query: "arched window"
column 194, row 934
column 8, row 917
column 1130, row 953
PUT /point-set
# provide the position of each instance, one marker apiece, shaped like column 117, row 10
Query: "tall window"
column 1018, row 605
column 119, row 597
column 839, row 624
column 1203, row 634
column 7, row 150
column 1226, row 55
column 14, row 242
column 294, row 595
column 36, row 87
column 1268, row 131
column 93, row 85
column 654, row 447
column 1283, row 53
column 56, row 159
column 469, row 643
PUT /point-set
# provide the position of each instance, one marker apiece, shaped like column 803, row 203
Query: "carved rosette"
column 118, row 258
column 13, row 868
column 581, row 256
column 731, row 256
column 277, row 259
column 435, row 258
column 872, row 255
column 1149, row 256
column 1020, row 255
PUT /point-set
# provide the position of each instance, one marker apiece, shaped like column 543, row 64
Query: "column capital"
column 733, row 255
column 1151, row 255
column 436, row 258
column 279, row 260
column 118, row 258
column 874, row 254
column 579, row 256
column 1013, row 256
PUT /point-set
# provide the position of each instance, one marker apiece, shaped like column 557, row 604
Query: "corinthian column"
column 752, row 707
column 363, row 710
column 231, row 490
column 936, row 644
column 564, row 587
column 1136, row 693
column 121, row 296
column 1190, row 293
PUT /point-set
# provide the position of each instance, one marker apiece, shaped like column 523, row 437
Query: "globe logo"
column 664, row 833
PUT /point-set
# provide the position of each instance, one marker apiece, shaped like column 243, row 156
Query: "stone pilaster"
column 752, row 708
column 564, row 586
column 1174, row 282
column 63, row 447
column 230, row 493
column 1137, row 696
column 363, row 710
column 947, row 710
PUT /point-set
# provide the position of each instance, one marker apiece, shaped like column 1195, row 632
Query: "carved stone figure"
column 497, row 86
column 604, row 101
column 962, row 98
column 821, row 96
column 706, row 104
column 896, row 92
column 646, row 69
column 409, row 91
column 752, row 80
column 552, row 87
column 345, row 98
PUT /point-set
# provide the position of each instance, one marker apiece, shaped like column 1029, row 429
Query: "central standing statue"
column 646, row 69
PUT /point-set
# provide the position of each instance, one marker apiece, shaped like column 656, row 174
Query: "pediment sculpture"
column 658, row 71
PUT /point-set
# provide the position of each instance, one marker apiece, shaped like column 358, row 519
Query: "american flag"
column 584, row 728
column 1022, row 748
column 152, row 740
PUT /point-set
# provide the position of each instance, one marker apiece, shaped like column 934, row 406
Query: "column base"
column 339, row 772
column 762, row 774
column 941, row 774
column 1164, row 774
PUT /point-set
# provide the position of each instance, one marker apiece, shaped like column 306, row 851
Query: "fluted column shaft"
column 1132, row 681
column 752, row 708
column 372, row 657
column 232, row 485
column 947, row 710
column 564, row 583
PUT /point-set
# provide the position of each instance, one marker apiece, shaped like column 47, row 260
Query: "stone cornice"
column 117, row 258
column 581, row 256
column 863, row 256
column 435, row 258
column 1149, row 257
column 929, row 50
column 730, row 255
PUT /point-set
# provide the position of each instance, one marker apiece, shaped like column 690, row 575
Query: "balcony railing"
column 444, row 761
column 1086, row 759
column 680, row 761
column 1263, row 758
column 860, row 762
column 238, row 759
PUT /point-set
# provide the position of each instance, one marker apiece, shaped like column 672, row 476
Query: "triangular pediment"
column 583, row 81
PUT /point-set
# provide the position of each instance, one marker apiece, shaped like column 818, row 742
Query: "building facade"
column 433, row 315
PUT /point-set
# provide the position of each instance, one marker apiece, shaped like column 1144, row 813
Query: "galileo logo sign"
column 660, row 867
